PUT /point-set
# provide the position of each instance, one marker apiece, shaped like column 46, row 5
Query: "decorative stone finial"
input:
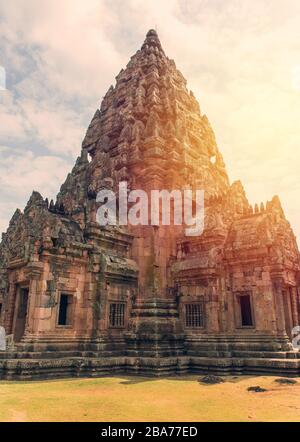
column 152, row 40
column 151, row 33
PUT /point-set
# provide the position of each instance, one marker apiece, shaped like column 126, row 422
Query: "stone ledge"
column 28, row 369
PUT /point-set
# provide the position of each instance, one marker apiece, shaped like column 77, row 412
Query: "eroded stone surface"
column 150, row 132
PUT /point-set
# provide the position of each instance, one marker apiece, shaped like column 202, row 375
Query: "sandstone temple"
column 81, row 299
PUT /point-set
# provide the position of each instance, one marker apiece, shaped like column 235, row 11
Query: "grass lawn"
column 148, row 399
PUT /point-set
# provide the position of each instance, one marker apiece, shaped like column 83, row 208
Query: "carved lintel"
column 34, row 270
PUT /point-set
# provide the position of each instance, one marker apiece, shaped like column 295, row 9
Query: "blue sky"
column 240, row 59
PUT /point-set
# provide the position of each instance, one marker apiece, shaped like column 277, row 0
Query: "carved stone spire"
column 152, row 41
column 152, row 117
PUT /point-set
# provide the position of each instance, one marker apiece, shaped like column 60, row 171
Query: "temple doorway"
column 20, row 314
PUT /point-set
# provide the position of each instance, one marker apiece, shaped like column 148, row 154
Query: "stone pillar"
column 298, row 301
column 223, row 305
column 279, row 308
column 2, row 339
column 33, row 293
column 212, row 310
column 10, row 307
column 293, row 295
column 269, row 317
column 35, row 274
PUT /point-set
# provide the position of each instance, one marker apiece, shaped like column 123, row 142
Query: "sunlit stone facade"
column 77, row 298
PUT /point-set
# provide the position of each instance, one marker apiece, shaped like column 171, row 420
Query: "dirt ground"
column 148, row 399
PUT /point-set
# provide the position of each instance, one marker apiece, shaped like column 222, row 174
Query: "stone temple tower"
column 82, row 298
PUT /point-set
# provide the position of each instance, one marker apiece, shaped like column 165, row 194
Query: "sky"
column 241, row 59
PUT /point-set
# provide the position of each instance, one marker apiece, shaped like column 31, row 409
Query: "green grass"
column 149, row 399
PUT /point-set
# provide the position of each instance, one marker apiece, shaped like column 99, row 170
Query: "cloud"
column 23, row 171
